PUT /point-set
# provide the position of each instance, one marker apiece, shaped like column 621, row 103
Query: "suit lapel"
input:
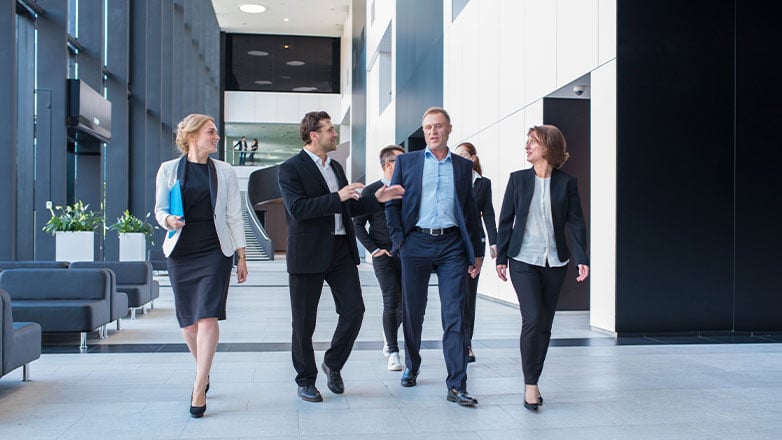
column 212, row 183
column 312, row 169
column 180, row 175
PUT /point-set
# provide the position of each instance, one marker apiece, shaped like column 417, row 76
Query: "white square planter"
column 132, row 246
column 74, row 246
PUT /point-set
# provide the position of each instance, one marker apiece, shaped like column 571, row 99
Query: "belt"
column 436, row 231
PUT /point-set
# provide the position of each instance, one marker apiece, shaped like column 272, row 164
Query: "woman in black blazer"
column 481, row 190
column 538, row 203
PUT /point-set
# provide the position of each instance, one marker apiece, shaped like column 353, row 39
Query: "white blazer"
column 227, row 205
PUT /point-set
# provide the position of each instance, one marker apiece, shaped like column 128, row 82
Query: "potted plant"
column 74, row 230
column 133, row 234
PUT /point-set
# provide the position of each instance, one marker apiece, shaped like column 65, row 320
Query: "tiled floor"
column 136, row 383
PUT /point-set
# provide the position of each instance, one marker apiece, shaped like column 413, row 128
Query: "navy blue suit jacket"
column 565, row 210
column 402, row 215
column 309, row 210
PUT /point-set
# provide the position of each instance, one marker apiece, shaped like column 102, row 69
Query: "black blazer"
column 309, row 210
column 565, row 210
column 481, row 192
column 402, row 215
column 378, row 236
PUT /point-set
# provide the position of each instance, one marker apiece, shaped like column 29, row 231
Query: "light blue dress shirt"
column 438, row 193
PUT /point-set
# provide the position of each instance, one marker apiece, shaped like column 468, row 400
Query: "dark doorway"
column 573, row 119
column 415, row 141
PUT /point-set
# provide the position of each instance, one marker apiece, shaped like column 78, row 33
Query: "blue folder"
column 175, row 205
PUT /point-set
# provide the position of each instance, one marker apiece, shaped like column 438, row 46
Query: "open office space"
column 671, row 116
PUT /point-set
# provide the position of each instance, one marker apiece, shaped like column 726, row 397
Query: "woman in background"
column 481, row 190
column 539, row 202
column 200, row 250
column 253, row 149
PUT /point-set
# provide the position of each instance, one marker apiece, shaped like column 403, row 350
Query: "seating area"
column 80, row 296
column 20, row 342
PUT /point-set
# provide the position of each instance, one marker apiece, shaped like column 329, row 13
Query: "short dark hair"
column 310, row 123
column 553, row 140
column 388, row 153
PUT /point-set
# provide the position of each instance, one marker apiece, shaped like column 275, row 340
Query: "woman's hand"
column 502, row 271
column 175, row 222
column 241, row 270
column 583, row 272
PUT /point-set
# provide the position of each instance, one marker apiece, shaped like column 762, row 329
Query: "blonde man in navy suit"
column 436, row 227
column 539, row 202
column 319, row 205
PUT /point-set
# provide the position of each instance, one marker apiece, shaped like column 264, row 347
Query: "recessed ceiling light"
column 252, row 8
column 284, row 46
column 285, row 77
column 304, row 89
column 263, row 82
column 285, row 19
column 258, row 53
column 295, row 63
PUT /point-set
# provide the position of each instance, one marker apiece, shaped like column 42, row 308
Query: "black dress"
column 198, row 270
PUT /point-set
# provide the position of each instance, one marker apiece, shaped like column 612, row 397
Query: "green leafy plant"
column 71, row 218
column 130, row 223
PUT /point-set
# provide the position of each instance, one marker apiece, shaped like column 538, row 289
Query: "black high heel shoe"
column 197, row 412
column 531, row 406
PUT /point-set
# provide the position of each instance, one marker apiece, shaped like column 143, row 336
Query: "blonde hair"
column 189, row 126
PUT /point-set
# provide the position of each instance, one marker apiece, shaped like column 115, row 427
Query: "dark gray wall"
column 696, row 206
column 419, row 63
column 8, row 136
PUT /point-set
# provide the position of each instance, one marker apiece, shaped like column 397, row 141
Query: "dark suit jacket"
column 309, row 210
column 378, row 236
column 481, row 192
column 565, row 210
column 402, row 215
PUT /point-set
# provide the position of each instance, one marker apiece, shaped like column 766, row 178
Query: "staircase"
column 253, row 252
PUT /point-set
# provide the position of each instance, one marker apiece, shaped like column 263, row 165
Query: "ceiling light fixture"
column 285, row 19
column 304, row 89
column 258, row 53
column 263, row 82
column 252, row 8
column 295, row 63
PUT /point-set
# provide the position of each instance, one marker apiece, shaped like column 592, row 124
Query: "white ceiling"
column 305, row 17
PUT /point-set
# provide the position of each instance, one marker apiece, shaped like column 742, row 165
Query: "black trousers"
column 470, row 297
column 537, row 289
column 388, row 270
column 305, row 290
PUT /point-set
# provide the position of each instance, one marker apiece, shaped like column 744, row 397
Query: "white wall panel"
column 606, row 30
column 287, row 108
column 603, row 211
column 487, row 55
column 540, row 48
column 577, row 38
column 510, row 62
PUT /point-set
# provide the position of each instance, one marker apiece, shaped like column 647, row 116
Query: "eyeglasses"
column 390, row 160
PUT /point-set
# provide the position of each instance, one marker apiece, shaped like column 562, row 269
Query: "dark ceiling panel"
column 267, row 63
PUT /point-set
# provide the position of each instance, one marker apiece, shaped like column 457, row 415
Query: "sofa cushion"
column 63, row 315
column 56, row 284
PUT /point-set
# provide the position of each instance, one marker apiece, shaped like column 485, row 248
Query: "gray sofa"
column 72, row 300
column 20, row 342
column 134, row 278
column 33, row 264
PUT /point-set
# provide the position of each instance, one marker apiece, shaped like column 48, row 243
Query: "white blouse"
column 538, row 245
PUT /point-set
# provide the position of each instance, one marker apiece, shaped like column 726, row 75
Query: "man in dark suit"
column 388, row 268
column 436, row 227
column 319, row 204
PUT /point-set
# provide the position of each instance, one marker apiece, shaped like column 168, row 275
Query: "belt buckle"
column 438, row 232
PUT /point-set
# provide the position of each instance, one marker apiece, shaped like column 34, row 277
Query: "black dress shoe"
column 461, row 397
column 334, row 379
column 309, row 393
column 197, row 412
column 540, row 400
column 409, row 378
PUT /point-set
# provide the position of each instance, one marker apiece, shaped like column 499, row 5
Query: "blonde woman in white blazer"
column 200, row 245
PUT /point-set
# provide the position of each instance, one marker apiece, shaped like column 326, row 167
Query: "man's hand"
column 476, row 269
column 502, row 270
column 350, row 191
column 386, row 193
column 583, row 272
